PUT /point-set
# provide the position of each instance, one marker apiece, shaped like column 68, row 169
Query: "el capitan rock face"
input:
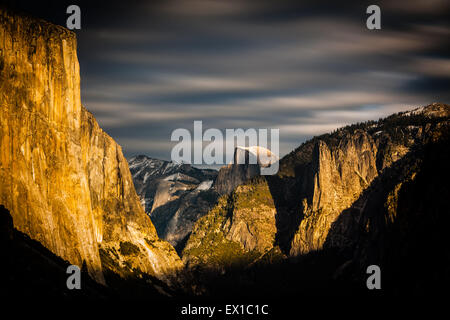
column 64, row 180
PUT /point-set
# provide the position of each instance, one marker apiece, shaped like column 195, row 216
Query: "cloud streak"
column 304, row 67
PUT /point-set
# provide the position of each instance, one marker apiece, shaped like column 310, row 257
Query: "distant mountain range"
column 174, row 195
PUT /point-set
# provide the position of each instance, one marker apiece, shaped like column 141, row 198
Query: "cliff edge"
column 64, row 180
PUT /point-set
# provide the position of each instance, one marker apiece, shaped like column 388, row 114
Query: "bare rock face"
column 339, row 174
column 345, row 164
column 245, row 166
column 64, row 180
column 400, row 222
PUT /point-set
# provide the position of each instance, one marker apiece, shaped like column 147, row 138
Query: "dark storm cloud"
column 305, row 67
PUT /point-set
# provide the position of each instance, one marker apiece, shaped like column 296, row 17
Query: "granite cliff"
column 247, row 163
column 345, row 164
column 64, row 180
column 337, row 195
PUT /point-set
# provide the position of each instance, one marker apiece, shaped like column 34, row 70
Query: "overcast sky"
column 305, row 67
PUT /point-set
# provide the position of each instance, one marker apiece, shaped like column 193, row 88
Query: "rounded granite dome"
column 254, row 155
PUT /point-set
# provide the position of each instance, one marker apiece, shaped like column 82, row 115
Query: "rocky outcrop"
column 64, row 180
column 232, row 176
column 240, row 230
column 346, row 164
column 247, row 163
column 317, row 185
column 339, row 175
column 400, row 223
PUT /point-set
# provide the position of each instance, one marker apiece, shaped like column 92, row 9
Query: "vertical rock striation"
column 346, row 163
column 247, row 164
column 339, row 175
column 64, row 180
